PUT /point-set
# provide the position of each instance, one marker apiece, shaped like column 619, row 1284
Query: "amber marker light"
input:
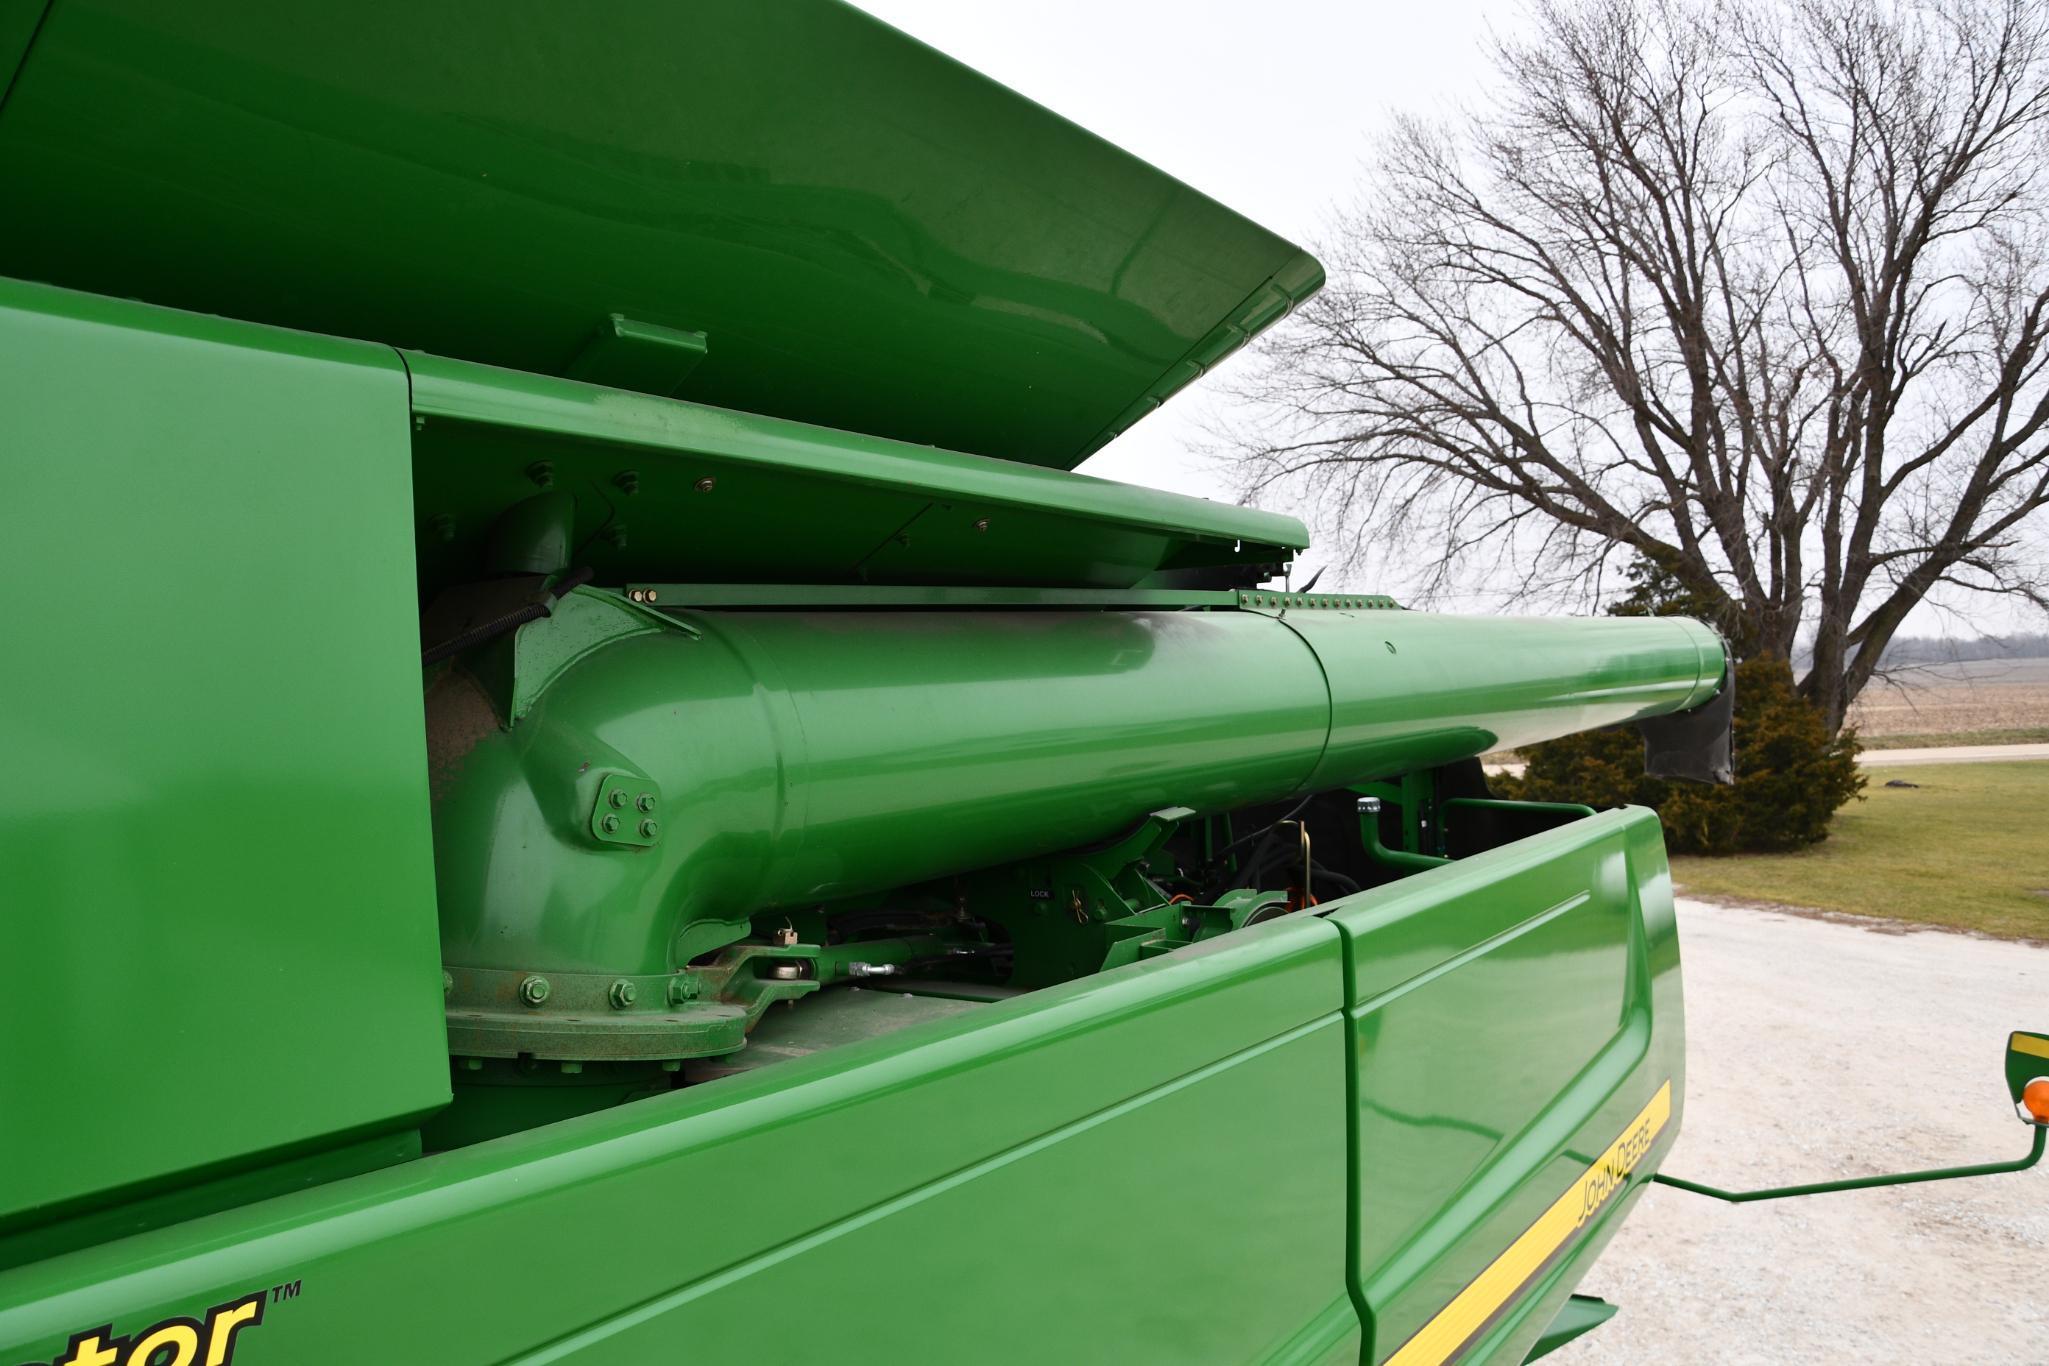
column 2035, row 1100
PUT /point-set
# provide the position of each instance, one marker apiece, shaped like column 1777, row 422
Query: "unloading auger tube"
column 649, row 781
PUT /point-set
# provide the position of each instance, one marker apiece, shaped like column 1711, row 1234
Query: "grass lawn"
column 1967, row 848
column 2009, row 735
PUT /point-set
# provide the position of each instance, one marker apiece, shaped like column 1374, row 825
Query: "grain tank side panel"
column 1187, row 1112
column 213, row 815
column 1518, row 1049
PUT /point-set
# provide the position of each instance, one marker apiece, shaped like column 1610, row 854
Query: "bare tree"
column 1758, row 294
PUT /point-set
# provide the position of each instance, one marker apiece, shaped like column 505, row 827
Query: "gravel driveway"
column 1819, row 1049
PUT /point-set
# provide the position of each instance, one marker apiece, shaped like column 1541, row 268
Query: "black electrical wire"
column 1322, row 874
column 1256, row 862
column 1299, row 808
column 498, row 626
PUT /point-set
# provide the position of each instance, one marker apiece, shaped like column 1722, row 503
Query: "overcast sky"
column 1267, row 105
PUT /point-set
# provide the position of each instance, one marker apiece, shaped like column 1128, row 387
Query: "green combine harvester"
column 584, row 784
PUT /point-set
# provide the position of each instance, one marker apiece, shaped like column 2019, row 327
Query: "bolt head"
column 622, row 994
column 617, row 799
column 682, row 987
column 610, row 825
column 707, row 485
column 649, row 828
column 646, row 802
column 534, row 990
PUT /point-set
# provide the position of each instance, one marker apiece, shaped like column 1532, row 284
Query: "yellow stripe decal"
column 2031, row 1044
column 1456, row 1324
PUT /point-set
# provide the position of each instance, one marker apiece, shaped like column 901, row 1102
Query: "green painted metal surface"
column 254, row 486
column 1200, row 1094
column 19, row 20
column 665, row 490
column 868, row 235
column 1581, row 1315
column 832, row 703
column 1512, row 1015
column 218, row 895
column 1447, row 687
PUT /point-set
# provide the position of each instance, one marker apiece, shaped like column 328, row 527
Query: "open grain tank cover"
column 866, row 234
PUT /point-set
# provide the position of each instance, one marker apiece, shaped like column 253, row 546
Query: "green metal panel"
column 19, row 20
column 1514, row 1015
column 218, row 899
column 1147, row 1165
column 664, row 489
column 868, row 234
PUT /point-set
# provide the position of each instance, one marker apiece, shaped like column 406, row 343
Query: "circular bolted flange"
column 534, row 990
